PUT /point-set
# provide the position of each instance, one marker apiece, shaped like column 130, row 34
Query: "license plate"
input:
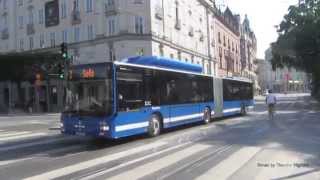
column 80, row 133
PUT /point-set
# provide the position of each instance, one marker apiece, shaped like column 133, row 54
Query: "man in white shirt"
column 271, row 101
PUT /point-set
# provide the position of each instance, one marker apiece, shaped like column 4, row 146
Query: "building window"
column 219, row 37
column 209, row 68
column 20, row 2
column 90, row 32
column 30, row 16
column 4, row 4
column 161, row 50
column 53, row 39
column 20, row 20
column 138, row 25
column 220, row 57
column 111, row 27
column 224, row 41
column 76, row 34
column 112, row 54
column 5, row 20
column 41, row 16
column 63, row 10
column 65, row 35
column 77, row 5
column 171, row 56
column 138, row 2
column 89, row 6
column 41, row 40
column 177, row 11
column 21, row 44
column 31, row 43
column 179, row 55
column 110, row 2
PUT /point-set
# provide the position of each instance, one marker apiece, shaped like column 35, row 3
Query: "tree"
column 298, row 44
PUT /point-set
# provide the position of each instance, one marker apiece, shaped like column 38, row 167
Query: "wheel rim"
column 206, row 115
column 155, row 126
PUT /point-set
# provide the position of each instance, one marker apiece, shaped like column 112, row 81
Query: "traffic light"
column 64, row 50
column 61, row 71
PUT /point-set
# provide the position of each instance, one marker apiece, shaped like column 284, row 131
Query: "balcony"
column 159, row 13
column 5, row 34
column 110, row 9
column 30, row 29
column 178, row 24
column 76, row 19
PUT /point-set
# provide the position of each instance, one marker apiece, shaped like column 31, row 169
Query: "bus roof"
column 163, row 62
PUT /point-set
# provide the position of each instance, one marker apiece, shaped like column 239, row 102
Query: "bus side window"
column 172, row 94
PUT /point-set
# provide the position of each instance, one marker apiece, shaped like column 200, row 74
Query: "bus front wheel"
column 154, row 126
column 207, row 115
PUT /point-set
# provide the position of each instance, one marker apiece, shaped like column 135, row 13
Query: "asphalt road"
column 249, row 147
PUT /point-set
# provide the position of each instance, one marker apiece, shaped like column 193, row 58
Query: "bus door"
column 132, row 112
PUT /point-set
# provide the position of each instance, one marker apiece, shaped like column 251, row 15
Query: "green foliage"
column 298, row 44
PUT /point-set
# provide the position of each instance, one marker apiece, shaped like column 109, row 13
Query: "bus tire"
column 154, row 126
column 207, row 115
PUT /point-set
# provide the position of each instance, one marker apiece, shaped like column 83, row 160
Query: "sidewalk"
column 259, row 98
column 28, row 114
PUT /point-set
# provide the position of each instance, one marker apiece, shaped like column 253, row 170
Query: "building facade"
column 227, row 49
column 100, row 31
column 264, row 75
column 281, row 80
column 248, row 51
column 108, row 30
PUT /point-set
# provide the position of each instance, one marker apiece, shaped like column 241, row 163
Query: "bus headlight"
column 61, row 127
column 104, row 128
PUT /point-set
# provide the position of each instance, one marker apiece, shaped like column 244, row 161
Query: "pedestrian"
column 271, row 101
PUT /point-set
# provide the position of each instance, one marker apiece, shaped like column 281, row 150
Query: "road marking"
column 164, row 162
column 198, row 162
column 22, row 136
column 230, row 165
column 3, row 163
column 100, row 173
column 13, row 133
column 94, row 162
column 25, row 145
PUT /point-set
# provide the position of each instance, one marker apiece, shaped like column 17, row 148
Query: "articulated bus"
column 142, row 95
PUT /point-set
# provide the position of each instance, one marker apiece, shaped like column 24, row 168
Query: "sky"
column 263, row 16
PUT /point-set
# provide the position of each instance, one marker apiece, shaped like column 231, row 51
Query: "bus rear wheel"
column 154, row 126
column 207, row 115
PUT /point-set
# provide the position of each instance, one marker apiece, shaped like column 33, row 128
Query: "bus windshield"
column 90, row 97
column 89, row 91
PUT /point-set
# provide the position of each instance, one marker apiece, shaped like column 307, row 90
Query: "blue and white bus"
column 147, row 95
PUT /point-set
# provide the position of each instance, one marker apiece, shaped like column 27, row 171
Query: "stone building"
column 227, row 49
column 100, row 31
column 248, row 51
